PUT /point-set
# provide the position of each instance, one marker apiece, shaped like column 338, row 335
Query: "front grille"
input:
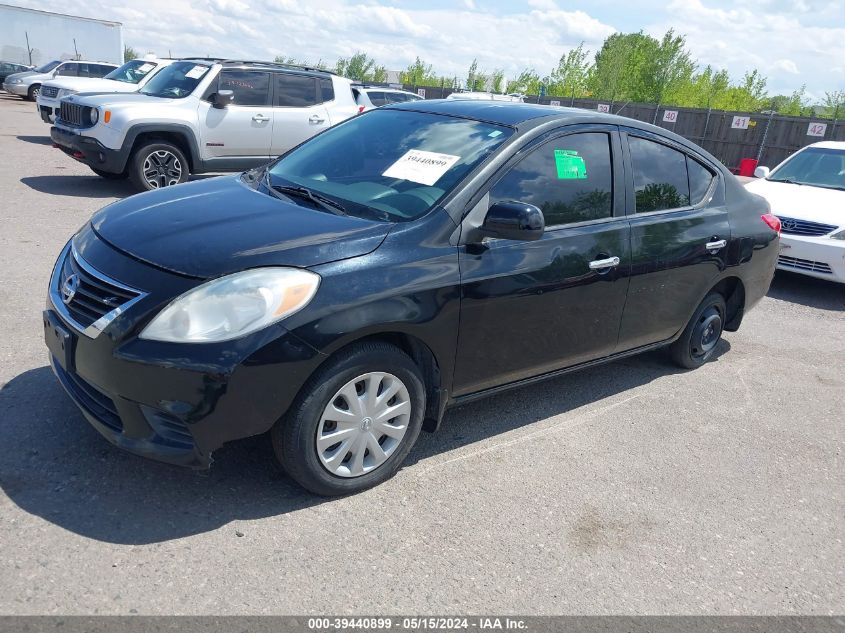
column 93, row 296
column 74, row 114
column 90, row 398
column 804, row 264
column 49, row 91
column 793, row 226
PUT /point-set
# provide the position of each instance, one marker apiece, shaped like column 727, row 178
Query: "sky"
column 792, row 42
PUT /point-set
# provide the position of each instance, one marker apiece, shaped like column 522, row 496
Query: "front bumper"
column 819, row 257
column 174, row 403
column 16, row 89
column 47, row 108
column 89, row 150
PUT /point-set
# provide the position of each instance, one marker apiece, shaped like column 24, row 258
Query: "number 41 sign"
column 816, row 129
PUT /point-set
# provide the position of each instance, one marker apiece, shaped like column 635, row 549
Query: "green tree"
column 472, row 75
column 419, row 74
column 497, row 80
column 129, row 53
column 572, row 74
column 834, row 103
column 671, row 68
column 624, row 68
column 359, row 67
column 379, row 74
column 527, row 82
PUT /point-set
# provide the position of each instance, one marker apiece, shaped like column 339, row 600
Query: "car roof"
column 829, row 145
column 250, row 63
column 511, row 113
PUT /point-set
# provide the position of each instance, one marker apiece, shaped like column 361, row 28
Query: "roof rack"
column 278, row 65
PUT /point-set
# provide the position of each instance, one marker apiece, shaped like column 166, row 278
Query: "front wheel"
column 354, row 422
column 33, row 92
column 156, row 165
column 702, row 334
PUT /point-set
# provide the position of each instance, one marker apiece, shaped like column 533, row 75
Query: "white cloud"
column 788, row 46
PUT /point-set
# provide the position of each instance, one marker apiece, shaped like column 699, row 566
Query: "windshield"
column 817, row 166
column 132, row 72
column 176, row 81
column 48, row 67
column 393, row 165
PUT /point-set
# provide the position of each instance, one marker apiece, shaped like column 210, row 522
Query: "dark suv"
column 414, row 257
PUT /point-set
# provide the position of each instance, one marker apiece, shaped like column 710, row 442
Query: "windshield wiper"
column 319, row 200
column 786, row 180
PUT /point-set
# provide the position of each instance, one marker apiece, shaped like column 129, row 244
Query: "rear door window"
column 251, row 88
column 660, row 176
column 295, row 91
column 326, row 90
column 377, row 98
column 700, row 178
column 569, row 178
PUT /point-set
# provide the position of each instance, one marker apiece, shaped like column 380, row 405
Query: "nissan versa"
column 415, row 257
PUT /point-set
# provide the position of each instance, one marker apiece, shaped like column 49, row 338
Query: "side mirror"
column 222, row 98
column 514, row 221
column 761, row 172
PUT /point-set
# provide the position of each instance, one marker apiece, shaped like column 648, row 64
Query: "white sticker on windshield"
column 145, row 68
column 196, row 72
column 416, row 165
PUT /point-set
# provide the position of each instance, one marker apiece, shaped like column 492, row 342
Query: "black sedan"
column 409, row 259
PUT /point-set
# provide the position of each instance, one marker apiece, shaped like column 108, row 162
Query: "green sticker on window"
column 569, row 165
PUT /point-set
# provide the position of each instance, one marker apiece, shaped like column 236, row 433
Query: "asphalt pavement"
column 630, row 488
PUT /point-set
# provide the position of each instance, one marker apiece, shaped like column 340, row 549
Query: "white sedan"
column 807, row 193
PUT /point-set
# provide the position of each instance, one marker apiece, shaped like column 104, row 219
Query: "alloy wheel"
column 162, row 169
column 363, row 424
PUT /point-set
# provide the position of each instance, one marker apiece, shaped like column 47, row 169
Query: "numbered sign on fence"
column 816, row 129
column 554, row 103
column 421, row 92
column 603, row 107
column 740, row 123
column 670, row 116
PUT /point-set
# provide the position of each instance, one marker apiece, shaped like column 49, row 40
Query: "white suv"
column 128, row 78
column 369, row 97
column 201, row 115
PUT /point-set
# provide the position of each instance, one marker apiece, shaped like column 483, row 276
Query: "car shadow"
column 79, row 186
column 808, row 291
column 88, row 186
column 37, row 140
column 56, row 466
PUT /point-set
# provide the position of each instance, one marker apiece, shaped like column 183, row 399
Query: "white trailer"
column 32, row 37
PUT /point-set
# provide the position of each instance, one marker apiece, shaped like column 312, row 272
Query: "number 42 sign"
column 816, row 129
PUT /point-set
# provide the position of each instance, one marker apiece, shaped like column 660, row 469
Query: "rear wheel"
column 33, row 92
column 156, row 165
column 702, row 334
column 354, row 422
column 110, row 175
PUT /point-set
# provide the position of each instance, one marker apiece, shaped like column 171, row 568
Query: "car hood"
column 23, row 75
column 218, row 226
column 803, row 202
column 91, row 84
column 118, row 99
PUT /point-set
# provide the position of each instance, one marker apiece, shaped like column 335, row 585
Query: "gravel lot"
column 628, row 488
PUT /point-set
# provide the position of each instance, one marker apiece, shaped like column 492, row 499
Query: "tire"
column 702, row 334
column 110, row 175
column 152, row 156
column 33, row 92
column 327, row 468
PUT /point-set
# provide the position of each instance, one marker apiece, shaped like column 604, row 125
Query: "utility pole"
column 75, row 50
column 28, row 49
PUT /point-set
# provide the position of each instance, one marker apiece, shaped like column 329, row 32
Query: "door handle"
column 715, row 246
column 260, row 118
column 599, row 264
column 315, row 119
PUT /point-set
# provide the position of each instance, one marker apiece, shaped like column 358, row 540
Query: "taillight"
column 773, row 221
column 360, row 109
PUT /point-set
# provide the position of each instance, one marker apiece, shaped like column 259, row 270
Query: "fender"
column 183, row 131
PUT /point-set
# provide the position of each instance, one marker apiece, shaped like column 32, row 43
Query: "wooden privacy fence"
column 729, row 136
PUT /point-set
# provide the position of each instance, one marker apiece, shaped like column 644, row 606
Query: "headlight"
column 233, row 306
column 65, row 92
column 16, row 81
column 93, row 116
column 839, row 236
